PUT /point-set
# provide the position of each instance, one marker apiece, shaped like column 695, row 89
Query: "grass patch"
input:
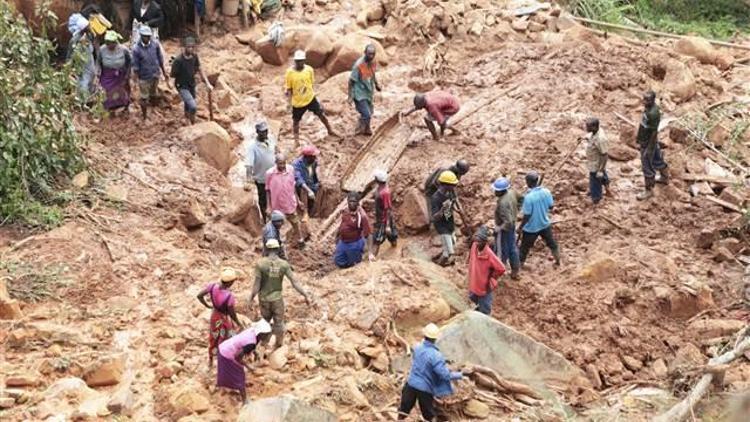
column 29, row 284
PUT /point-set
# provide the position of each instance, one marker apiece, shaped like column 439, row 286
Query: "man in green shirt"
column 652, row 159
column 269, row 276
column 506, row 215
column 362, row 86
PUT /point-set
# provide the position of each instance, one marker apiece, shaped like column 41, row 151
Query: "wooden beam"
column 708, row 178
column 724, row 204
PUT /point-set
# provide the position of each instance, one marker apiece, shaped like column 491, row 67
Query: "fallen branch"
column 400, row 339
column 681, row 410
column 726, row 181
column 613, row 222
column 711, row 146
column 491, row 379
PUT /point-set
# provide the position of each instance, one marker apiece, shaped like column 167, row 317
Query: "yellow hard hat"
column 431, row 331
column 448, row 177
column 228, row 274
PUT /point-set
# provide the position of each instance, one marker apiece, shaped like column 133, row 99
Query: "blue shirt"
column 304, row 175
column 147, row 60
column 261, row 157
column 429, row 372
column 536, row 204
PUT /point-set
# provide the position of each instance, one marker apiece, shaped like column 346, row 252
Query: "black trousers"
column 528, row 239
column 262, row 201
column 409, row 397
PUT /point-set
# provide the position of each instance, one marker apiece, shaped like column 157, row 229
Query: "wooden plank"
column 724, row 204
column 708, row 178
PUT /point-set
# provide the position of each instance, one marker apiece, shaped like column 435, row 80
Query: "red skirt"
column 221, row 328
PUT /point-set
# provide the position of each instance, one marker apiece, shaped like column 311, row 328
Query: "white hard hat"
column 272, row 244
column 431, row 331
column 380, row 175
column 261, row 327
column 299, row 55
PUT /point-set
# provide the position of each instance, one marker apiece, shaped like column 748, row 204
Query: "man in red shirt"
column 440, row 106
column 353, row 237
column 385, row 227
column 484, row 267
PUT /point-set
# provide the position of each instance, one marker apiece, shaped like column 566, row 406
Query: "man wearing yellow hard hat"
column 429, row 377
column 443, row 204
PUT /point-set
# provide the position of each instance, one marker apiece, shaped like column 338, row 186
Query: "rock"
column 632, row 363
column 347, row 49
column 620, row 152
column 712, row 328
column 718, row 135
column 106, row 371
column 224, row 99
column 565, row 22
column 687, row 357
column 678, row 134
column 476, row 28
column 711, row 168
column 520, row 25
column 679, row 81
column 10, row 309
column 701, row 188
column 122, row 401
column 192, row 215
column 683, row 304
column 309, row 346
column 7, row 402
column 420, row 84
column 316, row 41
column 696, row 47
column 278, row 359
column 437, row 310
column 732, row 244
column 705, row 238
column 81, row 180
column 600, row 270
column 659, row 369
column 413, row 213
column 729, row 195
column 536, row 27
column 187, row 398
column 283, row 409
column 22, row 380
column 592, row 372
column 237, row 204
column 271, row 54
column 722, row 254
column 212, row 143
column 375, row 11
column 380, row 363
column 117, row 193
column 724, row 60
column 476, row 409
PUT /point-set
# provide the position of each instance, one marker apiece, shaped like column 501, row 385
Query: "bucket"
column 230, row 7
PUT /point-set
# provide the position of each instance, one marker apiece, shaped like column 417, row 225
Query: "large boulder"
column 679, row 81
column 283, row 409
column 188, row 398
column 105, row 371
column 348, row 49
column 712, row 328
column 212, row 142
column 703, row 51
column 271, row 54
column 315, row 40
column 413, row 212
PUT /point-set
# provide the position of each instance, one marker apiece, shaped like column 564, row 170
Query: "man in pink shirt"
column 280, row 186
column 440, row 106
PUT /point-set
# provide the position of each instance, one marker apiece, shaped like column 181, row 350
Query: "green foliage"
column 38, row 141
column 612, row 11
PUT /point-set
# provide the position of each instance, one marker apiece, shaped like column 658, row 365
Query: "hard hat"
column 261, row 126
column 145, row 31
column 229, row 274
column 532, row 178
column 299, row 55
column 431, row 331
column 310, row 150
column 448, row 177
column 277, row 215
column 261, row 326
column 380, row 175
column 501, row 184
column 272, row 244
column 462, row 166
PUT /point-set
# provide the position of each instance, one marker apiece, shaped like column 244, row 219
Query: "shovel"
column 210, row 105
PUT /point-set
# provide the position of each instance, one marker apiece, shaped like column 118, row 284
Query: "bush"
column 38, row 141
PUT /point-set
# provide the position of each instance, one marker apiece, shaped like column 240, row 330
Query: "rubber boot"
column 514, row 274
column 360, row 128
column 648, row 192
column 367, row 131
column 663, row 177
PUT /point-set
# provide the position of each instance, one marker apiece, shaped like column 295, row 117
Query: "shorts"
column 148, row 88
column 273, row 312
column 314, row 106
column 382, row 233
column 449, row 244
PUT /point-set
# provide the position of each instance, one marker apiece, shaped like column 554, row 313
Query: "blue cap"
column 500, row 184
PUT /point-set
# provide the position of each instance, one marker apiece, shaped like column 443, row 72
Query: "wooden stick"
column 483, row 104
column 710, row 146
column 657, row 33
column 708, row 178
column 681, row 410
column 613, row 222
column 562, row 162
column 724, row 204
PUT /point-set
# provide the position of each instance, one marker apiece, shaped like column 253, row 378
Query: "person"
column 652, row 159
column 83, row 42
column 440, row 106
column 260, row 158
column 272, row 230
column 306, row 177
column 146, row 13
column 184, row 68
column 353, row 236
column 114, row 62
column 385, row 228
column 281, row 194
column 596, row 159
column 459, row 168
column 223, row 311
column 362, row 86
column 443, row 204
column 484, row 268
column 298, row 83
column 269, row 277
column 230, row 369
column 506, row 213
column 147, row 61
column 537, row 203
column 429, row 377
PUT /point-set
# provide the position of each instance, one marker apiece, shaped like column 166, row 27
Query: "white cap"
column 145, row 31
column 261, row 327
column 299, row 55
column 380, row 175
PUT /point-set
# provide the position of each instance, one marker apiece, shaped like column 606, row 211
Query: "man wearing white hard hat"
column 232, row 352
column 298, row 85
column 385, row 227
column 429, row 377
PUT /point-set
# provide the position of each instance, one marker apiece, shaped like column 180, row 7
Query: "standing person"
column 484, row 268
column 281, row 194
column 260, row 158
column 537, row 203
column 114, row 62
column 596, row 159
column 269, row 277
column 385, row 227
column 440, row 106
column 184, row 68
column 506, row 214
column 230, row 371
column 147, row 61
column 222, row 304
column 443, row 204
column 429, row 377
column 353, row 237
column 460, row 168
column 83, row 41
column 362, row 86
column 306, row 177
column 652, row 159
column 298, row 84
column 146, row 13
column 272, row 230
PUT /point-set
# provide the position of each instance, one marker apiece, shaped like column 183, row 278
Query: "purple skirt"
column 229, row 374
column 116, row 86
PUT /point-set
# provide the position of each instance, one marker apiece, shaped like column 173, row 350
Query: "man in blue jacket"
column 429, row 377
column 147, row 61
column 306, row 180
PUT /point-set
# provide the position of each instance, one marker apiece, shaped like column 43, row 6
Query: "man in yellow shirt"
column 299, row 89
